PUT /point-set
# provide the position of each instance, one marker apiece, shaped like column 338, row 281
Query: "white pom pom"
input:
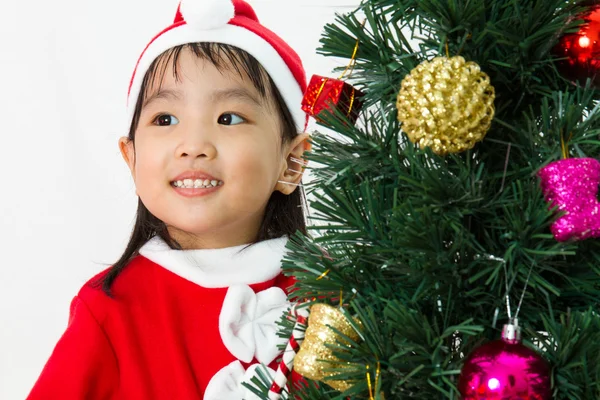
column 207, row 14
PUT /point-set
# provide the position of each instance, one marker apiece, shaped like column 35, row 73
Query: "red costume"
column 183, row 324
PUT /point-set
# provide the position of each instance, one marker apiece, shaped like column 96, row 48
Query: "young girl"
column 215, row 150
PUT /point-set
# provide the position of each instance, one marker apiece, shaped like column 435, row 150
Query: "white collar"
column 218, row 268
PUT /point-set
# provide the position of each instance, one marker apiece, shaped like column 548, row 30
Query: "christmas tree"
column 463, row 200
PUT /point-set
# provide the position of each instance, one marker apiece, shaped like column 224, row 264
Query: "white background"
column 67, row 201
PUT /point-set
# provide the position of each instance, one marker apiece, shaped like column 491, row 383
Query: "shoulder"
column 99, row 302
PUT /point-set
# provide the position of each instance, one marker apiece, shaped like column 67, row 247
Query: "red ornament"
column 505, row 370
column 582, row 49
column 324, row 92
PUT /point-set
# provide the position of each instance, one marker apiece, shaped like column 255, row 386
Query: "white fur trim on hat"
column 233, row 35
column 207, row 14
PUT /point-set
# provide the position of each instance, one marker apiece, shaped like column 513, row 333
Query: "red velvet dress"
column 183, row 324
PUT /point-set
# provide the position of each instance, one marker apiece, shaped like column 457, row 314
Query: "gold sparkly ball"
column 308, row 360
column 446, row 104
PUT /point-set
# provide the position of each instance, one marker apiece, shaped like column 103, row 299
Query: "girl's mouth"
column 196, row 188
column 196, row 184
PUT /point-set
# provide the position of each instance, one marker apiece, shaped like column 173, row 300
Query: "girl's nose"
column 195, row 143
column 195, row 151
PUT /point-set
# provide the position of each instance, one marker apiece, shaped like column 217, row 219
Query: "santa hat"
column 231, row 22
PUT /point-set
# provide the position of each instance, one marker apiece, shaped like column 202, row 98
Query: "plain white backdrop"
column 67, row 201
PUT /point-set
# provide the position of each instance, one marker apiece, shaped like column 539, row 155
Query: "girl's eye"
column 230, row 119
column 166, row 120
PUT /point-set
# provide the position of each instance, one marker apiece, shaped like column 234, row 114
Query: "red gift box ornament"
column 323, row 93
column 329, row 94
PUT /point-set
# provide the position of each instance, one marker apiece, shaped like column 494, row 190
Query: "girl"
column 190, row 309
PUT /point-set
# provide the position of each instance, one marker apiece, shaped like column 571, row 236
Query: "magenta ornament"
column 572, row 186
column 505, row 370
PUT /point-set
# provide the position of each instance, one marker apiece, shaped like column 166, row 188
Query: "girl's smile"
column 193, row 186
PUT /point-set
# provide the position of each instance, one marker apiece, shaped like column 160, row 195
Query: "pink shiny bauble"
column 504, row 370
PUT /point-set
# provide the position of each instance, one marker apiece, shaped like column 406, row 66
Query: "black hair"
column 284, row 214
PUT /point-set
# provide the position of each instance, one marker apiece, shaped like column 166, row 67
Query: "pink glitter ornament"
column 572, row 186
column 505, row 370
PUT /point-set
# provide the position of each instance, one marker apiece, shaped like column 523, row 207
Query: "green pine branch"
column 421, row 248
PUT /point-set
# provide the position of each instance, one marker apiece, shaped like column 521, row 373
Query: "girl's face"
column 214, row 123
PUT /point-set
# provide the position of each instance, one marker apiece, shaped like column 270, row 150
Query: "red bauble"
column 324, row 93
column 505, row 370
column 582, row 49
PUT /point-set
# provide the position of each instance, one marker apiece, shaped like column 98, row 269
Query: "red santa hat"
column 231, row 22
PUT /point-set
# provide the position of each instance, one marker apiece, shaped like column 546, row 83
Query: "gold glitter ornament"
column 446, row 104
column 308, row 360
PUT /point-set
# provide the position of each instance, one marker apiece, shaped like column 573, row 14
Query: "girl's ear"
column 294, row 165
column 128, row 154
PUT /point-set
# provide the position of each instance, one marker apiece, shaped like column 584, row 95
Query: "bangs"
column 224, row 57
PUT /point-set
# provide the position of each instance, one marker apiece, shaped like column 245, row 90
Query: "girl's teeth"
column 196, row 184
